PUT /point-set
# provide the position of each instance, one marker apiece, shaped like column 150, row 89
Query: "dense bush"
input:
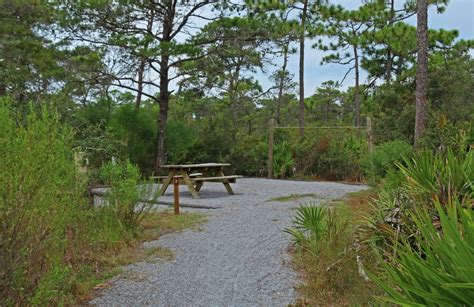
column 137, row 130
column 382, row 161
column 40, row 196
column 249, row 156
column 315, row 225
column 439, row 270
column 282, row 159
column 342, row 159
column 51, row 240
column 180, row 140
column 123, row 194
column 420, row 222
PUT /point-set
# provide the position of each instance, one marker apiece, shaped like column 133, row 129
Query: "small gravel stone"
column 239, row 256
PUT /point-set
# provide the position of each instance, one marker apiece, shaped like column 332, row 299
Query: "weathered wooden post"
column 370, row 140
column 270, row 148
column 176, row 195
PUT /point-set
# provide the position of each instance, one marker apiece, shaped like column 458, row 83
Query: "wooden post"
column 176, row 195
column 370, row 140
column 270, row 148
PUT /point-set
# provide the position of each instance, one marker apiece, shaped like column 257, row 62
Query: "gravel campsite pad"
column 238, row 258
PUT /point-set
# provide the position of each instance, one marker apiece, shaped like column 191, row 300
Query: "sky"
column 458, row 15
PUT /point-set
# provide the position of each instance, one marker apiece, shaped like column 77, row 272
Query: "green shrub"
column 124, row 192
column 99, row 145
column 429, row 175
column 136, row 129
column 282, row 159
column 328, row 252
column 424, row 228
column 382, row 161
column 249, row 155
column 417, row 182
column 315, row 225
column 342, row 159
column 443, row 135
column 440, row 270
column 40, row 194
column 180, row 139
column 308, row 224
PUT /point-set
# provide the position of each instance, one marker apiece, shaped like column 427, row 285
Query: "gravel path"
column 238, row 258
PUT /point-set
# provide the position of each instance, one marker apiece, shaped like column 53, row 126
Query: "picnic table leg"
column 166, row 182
column 189, row 183
column 226, row 184
column 199, row 186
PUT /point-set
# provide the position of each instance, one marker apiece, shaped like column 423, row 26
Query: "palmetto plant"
column 440, row 272
column 429, row 175
column 282, row 159
column 308, row 224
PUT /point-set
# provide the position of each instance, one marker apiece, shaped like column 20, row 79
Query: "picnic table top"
column 201, row 165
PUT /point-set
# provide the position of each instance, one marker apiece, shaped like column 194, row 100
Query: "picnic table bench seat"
column 231, row 178
column 178, row 176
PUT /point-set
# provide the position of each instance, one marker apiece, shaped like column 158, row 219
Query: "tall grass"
column 326, row 250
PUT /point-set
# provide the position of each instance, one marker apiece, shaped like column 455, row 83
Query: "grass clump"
column 327, row 254
column 293, row 197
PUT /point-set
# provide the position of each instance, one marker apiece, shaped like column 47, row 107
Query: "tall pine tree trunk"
column 143, row 62
column 162, row 114
column 281, row 83
column 422, row 70
column 164, row 90
column 301, row 69
column 357, row 88
column 141, row 73
column 389, row 63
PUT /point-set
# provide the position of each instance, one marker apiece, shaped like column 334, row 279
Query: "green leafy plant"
column 40, row 195
column 282, row 159
column 428, row 175
column 314, row 225
column 308, row 224
column 382, row 161
column 440, row 270
column 124, row 192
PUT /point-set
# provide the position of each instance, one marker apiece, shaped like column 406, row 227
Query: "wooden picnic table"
column 194, row 176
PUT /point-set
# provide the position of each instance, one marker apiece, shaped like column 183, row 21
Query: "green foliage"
column 123, row 194
column 416, row 182
column 423, row 230
column 180, row 139
column 444, row 135
column 40, row 194
column 137, row 130
column 282, row 159
column 430, row 175
column 382, row 161
column 308, row 224
column 328, row 253
column 314, row 225
column 249, row 155
column 439, row 271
